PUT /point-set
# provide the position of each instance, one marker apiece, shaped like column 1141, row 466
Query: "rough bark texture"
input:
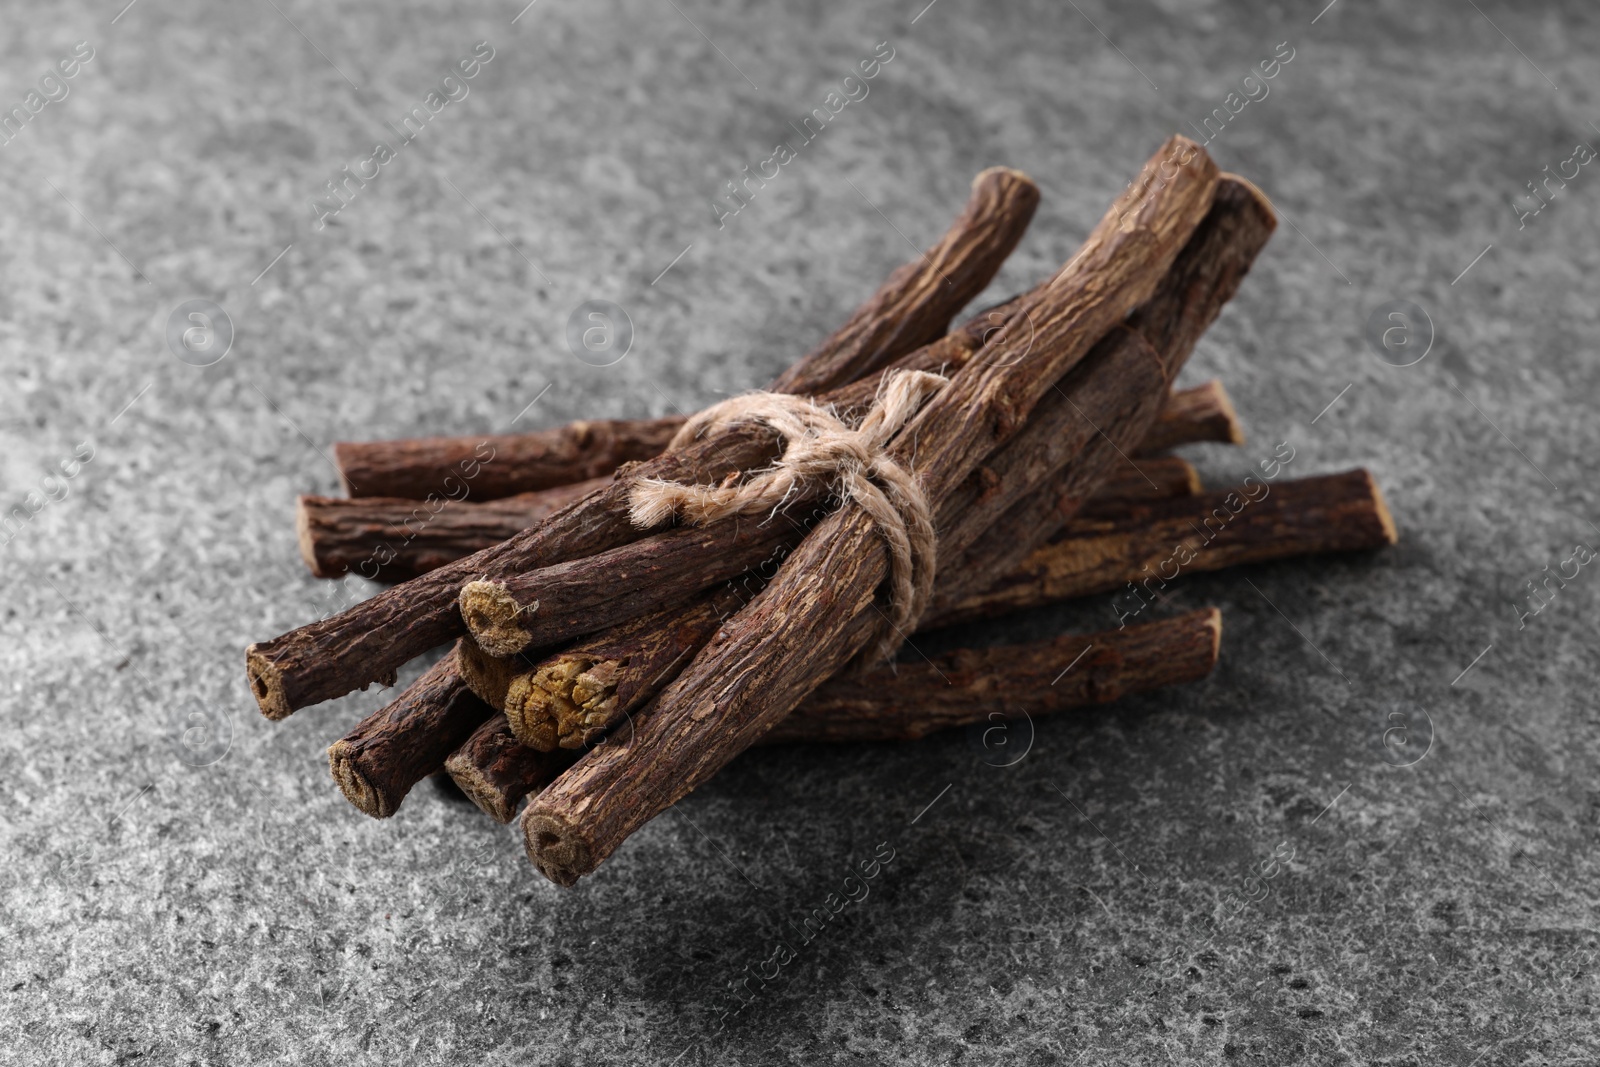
column 905, row 701
column 391, row 750
column 365, row 644
column 911, row 309
column 911, row 700
column 496, row 465
column 392, row 538
column 1202, row 413
column 804, row 626
column 1144, row 546
column 538, row 608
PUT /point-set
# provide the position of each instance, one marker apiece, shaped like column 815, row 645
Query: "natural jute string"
column 818, row 447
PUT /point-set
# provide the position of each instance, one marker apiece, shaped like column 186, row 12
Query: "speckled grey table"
column 1237, row 872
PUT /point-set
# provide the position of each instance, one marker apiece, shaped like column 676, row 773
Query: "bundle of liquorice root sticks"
column 605, row 665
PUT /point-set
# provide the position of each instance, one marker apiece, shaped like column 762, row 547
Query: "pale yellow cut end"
column 355, row 786
column 493, row 616
column 1213, row 621
column 1225, row 410
column 1380, row 508
column 529, row 714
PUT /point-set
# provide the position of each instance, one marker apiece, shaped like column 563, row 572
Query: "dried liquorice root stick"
column 811, row 620
column 394, row 539
column 368, row 642
column 1143, row 547
column 911, row 309
column 905, row 701
column 496, row 465
column 910, row 700
column 393, row 749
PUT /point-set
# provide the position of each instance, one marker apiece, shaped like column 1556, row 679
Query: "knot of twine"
column 819, row 446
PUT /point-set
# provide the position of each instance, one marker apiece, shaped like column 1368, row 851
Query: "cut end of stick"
column 471, row 781
column 266, row 684
column 561, row 703
column 355, row 786
column 1192, row 484
column 342, row 453
column 556, row 848
column 991, row 174
column 1380, row 509
column 1227, row 417
column 303, row 506
column 1213, row 622
column 494, row 616
column 489, row 677
column 530, row 712
column 1263, row 205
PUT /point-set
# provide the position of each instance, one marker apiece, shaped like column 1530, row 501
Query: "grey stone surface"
column 1081, row 906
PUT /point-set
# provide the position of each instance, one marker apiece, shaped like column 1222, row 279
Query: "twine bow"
column 819, row 446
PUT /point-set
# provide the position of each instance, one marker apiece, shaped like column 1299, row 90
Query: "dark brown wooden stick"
column 391, row 750
column 497, row 465
column 393, row 539
column 911, row 700
column 906, row 701
column 1201, row 413
column 803, row 627
column 1150, row 543
column 366, row 643
column 911, row 309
